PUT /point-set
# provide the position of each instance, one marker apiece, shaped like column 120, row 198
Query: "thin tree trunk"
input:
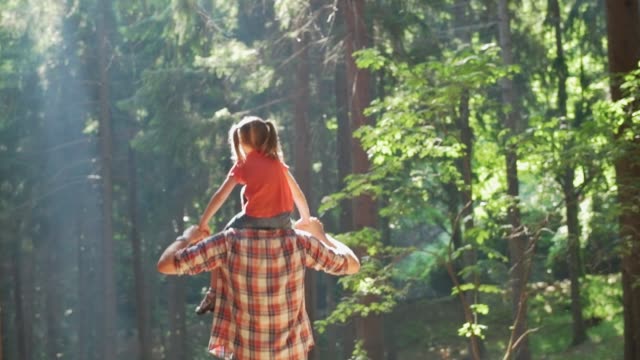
column 177, row 322
column 464, row 164
column 302, row 158
column 573, row 229
column 142, row 303
column 1, row 334
column 343, row 151
column 52, row 307
column 623, row 34
column 22, row 347
column 343, row 143
column 370, row 328
column 567, row 183
column 27, row 298
column 109, row 312
column 84, row 288
column 517, row 241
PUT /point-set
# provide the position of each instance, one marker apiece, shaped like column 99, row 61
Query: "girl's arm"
column 298, row 198
column 216, row 201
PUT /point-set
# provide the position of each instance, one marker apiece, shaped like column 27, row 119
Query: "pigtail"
column 234, row 142
column 272, row 145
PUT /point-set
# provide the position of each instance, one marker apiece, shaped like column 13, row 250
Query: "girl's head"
column 256, row 134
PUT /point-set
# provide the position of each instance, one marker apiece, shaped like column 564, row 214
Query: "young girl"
column 269, row 190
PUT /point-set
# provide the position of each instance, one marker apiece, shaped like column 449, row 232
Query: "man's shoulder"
column 254, row 234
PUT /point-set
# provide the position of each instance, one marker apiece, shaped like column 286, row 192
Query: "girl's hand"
column 205, row 229
column 302, row 222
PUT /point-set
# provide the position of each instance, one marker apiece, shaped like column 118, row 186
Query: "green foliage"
column 550, row 303
column 603, row 297
column 359, row 353
column 471, row 329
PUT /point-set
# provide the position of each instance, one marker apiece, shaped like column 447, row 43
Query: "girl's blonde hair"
column 261, row 135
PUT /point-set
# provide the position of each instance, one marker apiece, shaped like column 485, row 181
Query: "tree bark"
column 1, row 334
column 517, row 241
column 623, row 34
column 343, row 143
column 84, row 285
column 567, row 182
column 302, row 146
column 370, row 328
column 22, row 346
column 52, row 306
column 142, row 303
column 109, row 341
column 464, row 164
column 177, row 288
column 343, row 151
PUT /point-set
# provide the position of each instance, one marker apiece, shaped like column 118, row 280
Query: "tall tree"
column 464, row 165
column 370, row 328
column 104, row 22
column 302, row 140
column 1, row 335
column 20, row 319
column 517, row 239
column 566, row 178
column 142, row 304
column 177, row 287
column 623, row 34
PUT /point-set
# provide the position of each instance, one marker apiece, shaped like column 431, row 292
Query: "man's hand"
column 205, row 229
column 194, row 233
column 316, row 229
column 191, row 235
column 312, row 226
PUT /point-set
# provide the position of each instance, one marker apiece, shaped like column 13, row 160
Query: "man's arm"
column 316, row 229
column 166, row 264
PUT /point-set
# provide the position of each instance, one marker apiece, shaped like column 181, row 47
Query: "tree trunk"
column 517, row 241
column 464, row 164
column 142, row 303
column 343, row 151
column 28, row 265
column 567, row 183
column 1, row 334
column 22, row 346
column 623, row 34
column 52, row 305
column 177, row 326
column 343, row 143
column 177, row 288
column 84, row 287
column 302, row 146
column 109, row 313
column 369, row 329
column 573, row 229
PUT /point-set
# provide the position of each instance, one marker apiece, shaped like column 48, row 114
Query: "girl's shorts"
column 244, row 221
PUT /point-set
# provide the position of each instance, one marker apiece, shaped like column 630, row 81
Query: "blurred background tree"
column 481, row 156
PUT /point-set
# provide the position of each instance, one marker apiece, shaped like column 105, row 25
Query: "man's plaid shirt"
column 260, row 312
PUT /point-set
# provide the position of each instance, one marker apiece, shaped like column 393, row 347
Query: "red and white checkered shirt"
column 259, row 312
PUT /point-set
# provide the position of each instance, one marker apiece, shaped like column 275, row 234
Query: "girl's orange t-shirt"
column 267, row 189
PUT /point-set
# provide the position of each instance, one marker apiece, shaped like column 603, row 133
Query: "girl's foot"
column 206, row 305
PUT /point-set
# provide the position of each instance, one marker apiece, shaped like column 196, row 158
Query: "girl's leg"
column 209, row 300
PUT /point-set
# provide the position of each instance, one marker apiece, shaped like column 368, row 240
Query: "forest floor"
column 428, row 329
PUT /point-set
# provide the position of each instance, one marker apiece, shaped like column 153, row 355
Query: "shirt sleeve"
column 237, row 173
column 203, row 256
column 320, row 257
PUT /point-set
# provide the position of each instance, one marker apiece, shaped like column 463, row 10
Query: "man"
column 260, row 311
